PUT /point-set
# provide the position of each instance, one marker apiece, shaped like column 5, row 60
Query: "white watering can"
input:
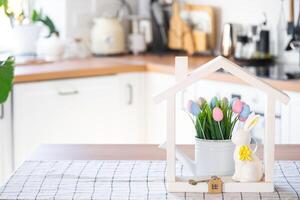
column 212, row 158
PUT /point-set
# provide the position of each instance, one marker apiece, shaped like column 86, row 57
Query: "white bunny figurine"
column 248, row 167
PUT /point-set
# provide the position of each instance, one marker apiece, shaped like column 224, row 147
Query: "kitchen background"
column 117, row 107
column 74, row 18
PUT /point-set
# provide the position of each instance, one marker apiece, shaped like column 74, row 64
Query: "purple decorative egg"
column 193, row 108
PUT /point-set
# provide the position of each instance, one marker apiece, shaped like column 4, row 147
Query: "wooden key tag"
column 215, row 185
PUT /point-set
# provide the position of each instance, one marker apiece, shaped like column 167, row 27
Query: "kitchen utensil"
column 188, row 40
column 200, row 40
column 137, row 43
column 290, row 28
column 227, row 44
column 146, row 28
column 264, row 43
column 159, row 18
column 144, row 8
column 136, row 40
column 176, row 30
column 203, row 18
column 180, row 33
column 107, row 37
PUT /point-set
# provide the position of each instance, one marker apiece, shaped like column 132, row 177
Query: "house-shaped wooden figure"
column 184, row 79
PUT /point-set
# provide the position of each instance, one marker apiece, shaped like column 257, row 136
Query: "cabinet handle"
column 65, row 93
column 2, row 111
column 130, row 94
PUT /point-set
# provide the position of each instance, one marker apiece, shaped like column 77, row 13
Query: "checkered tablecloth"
column 95, row 179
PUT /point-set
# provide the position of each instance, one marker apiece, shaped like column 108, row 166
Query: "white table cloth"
column 96, row 179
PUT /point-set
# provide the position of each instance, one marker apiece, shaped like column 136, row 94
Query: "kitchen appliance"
column 294, row 43
column 227, row 44
column 107, row 37
column 159, row 27
column 137, row 39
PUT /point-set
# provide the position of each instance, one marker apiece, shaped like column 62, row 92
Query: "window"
column 5, row 33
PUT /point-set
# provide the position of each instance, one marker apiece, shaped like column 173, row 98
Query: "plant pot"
column 214, row 157
column 25, row 39
column 50, row 49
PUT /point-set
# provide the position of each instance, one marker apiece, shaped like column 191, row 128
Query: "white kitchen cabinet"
column 156, row 113
column 6, row 162
column 291, row 119
column 132, row 107
column 87, row 110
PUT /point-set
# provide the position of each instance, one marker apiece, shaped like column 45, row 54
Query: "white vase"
column 25, row 39
column 214, row 157
column 51, row 49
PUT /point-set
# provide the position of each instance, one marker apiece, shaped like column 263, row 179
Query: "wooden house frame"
column 184, row 79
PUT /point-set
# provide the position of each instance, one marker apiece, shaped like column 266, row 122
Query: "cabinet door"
column 67, row 111
column 291, row 119
column 6, row 163
column 132, row 107
column 156, row 113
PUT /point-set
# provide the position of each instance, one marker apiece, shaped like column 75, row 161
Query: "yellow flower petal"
column 245, row 153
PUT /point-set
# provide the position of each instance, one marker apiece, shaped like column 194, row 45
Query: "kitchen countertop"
column 96, row 66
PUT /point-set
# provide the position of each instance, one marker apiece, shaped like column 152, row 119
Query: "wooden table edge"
column 134, row 152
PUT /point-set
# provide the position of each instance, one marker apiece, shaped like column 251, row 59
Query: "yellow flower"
column 245, row 153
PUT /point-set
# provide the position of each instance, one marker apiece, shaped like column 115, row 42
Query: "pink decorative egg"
column 242, row 119
column 237, row 106
column 217, row 114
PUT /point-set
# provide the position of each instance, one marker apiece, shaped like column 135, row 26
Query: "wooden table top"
column 96, row 66
column 134, row 152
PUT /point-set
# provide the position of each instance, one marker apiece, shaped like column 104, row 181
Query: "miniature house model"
column 184, row 79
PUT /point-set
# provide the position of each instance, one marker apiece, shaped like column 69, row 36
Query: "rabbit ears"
column 252, row 120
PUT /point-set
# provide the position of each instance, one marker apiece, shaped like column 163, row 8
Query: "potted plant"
column 26, row 24
column 6, row 78
column 214, row 122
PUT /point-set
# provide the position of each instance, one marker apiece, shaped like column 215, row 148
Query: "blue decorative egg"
column 213, row 102
column 245, row 111
column 195, row 109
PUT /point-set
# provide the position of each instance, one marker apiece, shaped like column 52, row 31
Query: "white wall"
column 74, row 18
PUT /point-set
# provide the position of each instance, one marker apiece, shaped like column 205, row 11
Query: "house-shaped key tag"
column 215, row 185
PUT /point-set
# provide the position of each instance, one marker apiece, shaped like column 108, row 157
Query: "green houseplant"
column 26, row 23
column 6, row 78
column 217, row 119
column 214, row 123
